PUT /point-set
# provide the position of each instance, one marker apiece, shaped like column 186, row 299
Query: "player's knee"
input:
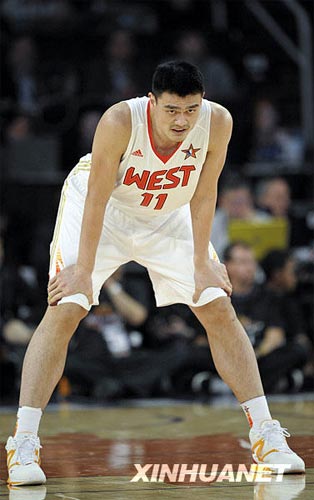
column 66, row 317
column 72, row 313
column 222, row 315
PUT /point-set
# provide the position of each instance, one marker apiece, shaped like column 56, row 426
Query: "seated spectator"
column 113, row 75
column 51, row 15
column 39, row 86
column 219, row 78
column 19, row 128
column 274, row 196
column 20, row 310
column 19, row 291
column 271, row 141
column 87, row 124
column 172, row 329
column 8, row 374
column 175, row 329
column 235, row 201
column 21, row 80
column 278, row 350
column 281, row 280
column 131, row 310
column 111, row 363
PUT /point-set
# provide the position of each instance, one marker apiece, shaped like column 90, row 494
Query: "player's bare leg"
column 236, row 363
column 43, row 366
column 231, row 348
column 46, row 354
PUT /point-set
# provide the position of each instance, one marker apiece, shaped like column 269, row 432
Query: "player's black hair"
column 177, row 77
column 275, row 261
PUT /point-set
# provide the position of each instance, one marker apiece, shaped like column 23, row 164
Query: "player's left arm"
column 203, row 204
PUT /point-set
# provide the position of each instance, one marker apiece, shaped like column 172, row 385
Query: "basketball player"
column 146, row 193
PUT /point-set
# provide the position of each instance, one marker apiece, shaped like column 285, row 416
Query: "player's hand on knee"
column 71, row 280
column 211, row 274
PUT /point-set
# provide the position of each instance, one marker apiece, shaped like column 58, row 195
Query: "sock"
column 27, row 420
column 256, row 410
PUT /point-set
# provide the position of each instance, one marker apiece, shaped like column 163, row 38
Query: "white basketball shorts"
column 163, row 244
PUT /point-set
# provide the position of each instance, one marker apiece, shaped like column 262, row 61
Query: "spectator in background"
column 113, row 75
column 86, row 129
column 175, row 329
column 279, row 267
column 121, row 59
column 21, row 82
column 39, row 87
column 271, row 141
column 8, row 375
column 235, row 201
column 274, row 196
column 20, row 127
column 172, row 329
column 52, row 14
column 17, row 129
column 281, row 280
column 93, row 367
column 19, row 313
column 221, row 82
column 219, row 78
column 106, row 359
column 18, row 290
column 278, row 350
column 7, row 367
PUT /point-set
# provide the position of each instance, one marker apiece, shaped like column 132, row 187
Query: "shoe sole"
column 25, row 483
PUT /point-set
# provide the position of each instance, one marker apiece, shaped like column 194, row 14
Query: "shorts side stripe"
column 59, row 220
column 80, row 167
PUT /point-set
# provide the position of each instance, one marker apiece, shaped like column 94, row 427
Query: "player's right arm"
column 110, row 142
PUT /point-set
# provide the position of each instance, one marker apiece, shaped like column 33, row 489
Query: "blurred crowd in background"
column 63, row 64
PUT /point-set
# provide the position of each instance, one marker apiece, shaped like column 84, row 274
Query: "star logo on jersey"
column 190, row 152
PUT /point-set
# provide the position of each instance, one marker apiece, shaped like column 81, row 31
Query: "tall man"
column 146, row 193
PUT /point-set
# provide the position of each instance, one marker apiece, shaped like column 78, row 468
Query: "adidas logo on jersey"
column 138, row 152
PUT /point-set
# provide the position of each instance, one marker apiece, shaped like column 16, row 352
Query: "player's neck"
column 162, row 143
column 163, row 148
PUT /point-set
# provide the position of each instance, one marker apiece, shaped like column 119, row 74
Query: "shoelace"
column 276, row 435
column 25, row 449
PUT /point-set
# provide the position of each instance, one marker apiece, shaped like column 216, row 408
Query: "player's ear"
column 153, row 99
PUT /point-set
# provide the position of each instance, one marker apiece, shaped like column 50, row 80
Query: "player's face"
column 175, row 116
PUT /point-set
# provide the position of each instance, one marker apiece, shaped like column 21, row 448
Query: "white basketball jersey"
column 149, row 183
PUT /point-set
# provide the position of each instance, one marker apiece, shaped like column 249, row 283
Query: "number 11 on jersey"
column 147, row 198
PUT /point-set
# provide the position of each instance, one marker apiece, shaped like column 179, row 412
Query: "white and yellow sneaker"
column 270, row 448
column 23, row 460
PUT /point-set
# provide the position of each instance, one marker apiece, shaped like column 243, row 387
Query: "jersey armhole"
column 134, row 126
column 208, row 118
column 129, row 146
column 205, row 120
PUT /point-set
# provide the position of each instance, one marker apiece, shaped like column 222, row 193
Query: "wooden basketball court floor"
column 89, row 452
